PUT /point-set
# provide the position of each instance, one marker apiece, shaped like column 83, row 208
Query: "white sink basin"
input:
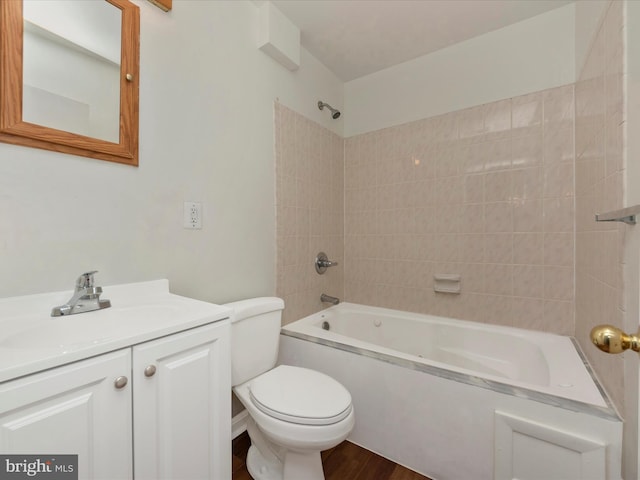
column 74, row 332
column 59, row 337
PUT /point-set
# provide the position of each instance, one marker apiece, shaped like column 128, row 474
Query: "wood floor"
column 346, row 461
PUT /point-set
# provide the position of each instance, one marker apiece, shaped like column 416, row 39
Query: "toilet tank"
column 255, row 337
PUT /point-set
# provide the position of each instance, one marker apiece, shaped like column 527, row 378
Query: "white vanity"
column 139, row 390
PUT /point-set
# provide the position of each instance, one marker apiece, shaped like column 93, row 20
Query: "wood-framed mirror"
column 80, row 124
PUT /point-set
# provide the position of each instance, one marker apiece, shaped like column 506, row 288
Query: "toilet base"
column 262, row 469
column 267, row 461
column 303, row 465
column 297, row 466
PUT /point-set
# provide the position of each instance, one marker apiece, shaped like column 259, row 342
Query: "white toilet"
column 294, row 413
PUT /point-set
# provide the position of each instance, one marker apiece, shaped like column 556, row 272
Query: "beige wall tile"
column 498, row 279
column 499, row 310
column 527, row 183
column 528, row 281
column 473, row 188
column 558, row 214
column 558, row 145
column 497, row 119
column 558, row 179
column 558, row 283
column 528, row 248
column 310, row 206
column 472, row 248
column 498, row 248
column 471, row 218
column 498, row 217
column 497, row 154
column 498, row 186
column 530, row 312
column 528, row 215
column 558, row 317
column 527, row 111
column 527, row 150
column 486, row 193
column 599, row 167
column 559, row 249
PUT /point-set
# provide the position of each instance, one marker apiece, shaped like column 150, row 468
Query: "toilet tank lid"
column 254, row 306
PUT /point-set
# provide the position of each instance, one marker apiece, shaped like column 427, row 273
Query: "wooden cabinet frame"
column 16, row 131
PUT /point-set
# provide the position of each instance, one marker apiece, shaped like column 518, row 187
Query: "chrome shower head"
column 335, row 113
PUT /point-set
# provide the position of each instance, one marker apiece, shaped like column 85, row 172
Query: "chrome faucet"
column 324, row 298
column 86, row 298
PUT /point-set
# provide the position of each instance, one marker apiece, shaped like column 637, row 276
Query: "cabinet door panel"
column 182, row 413
column 74, row 409
column 528, row 449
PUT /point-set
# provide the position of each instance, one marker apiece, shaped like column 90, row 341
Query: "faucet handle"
column 323, row 262
column 85, row 280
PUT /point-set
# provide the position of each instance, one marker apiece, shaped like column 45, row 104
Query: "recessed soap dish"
column 447, row 283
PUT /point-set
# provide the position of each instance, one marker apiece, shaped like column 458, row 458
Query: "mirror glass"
column 71, row 66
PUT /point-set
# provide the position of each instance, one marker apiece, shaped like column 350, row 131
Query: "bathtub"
column 454, row 400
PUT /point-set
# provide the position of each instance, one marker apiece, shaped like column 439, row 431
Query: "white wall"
column 589, row 15
column 529, row 56
column 206, row 134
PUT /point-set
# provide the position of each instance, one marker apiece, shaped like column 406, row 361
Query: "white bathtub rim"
column 607, row 412
column 603, row 392
column 603, row 408
column 567, row 379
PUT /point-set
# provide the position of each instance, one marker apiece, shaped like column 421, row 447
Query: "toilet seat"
column 300, row 395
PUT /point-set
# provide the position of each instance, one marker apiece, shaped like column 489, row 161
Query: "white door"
column 74, row 409
column 182, row 405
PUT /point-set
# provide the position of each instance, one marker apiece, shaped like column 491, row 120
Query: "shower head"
column 335, row 113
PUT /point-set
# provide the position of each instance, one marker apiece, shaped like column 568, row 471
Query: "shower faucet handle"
column 323, row 262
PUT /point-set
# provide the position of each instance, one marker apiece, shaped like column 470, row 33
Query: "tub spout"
column 324, row 298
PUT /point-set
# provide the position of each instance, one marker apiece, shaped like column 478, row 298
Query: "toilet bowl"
column 294, row 413
column 295, row 410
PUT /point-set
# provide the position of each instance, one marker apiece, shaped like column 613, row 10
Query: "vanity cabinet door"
column 182, row 405
column 74, row 409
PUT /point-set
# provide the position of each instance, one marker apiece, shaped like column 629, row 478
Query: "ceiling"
column 354, row 38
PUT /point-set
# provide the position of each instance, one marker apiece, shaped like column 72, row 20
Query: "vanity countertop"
column 31, row 340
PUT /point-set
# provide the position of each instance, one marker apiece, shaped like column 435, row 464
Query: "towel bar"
column 626, row 215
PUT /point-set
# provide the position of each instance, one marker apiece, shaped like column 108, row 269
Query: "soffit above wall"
column 354, row 38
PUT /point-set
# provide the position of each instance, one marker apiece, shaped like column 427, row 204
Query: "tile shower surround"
column 600, row 169
column 309, row 211
column 486, row 192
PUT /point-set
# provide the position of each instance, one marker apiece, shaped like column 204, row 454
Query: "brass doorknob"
column 611, row 339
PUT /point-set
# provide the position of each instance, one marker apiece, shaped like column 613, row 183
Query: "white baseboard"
column 239, row 423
